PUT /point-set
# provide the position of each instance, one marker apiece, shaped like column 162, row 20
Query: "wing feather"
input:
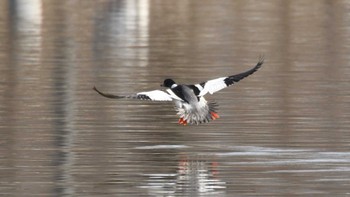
column 217, row 84
column 155, row 95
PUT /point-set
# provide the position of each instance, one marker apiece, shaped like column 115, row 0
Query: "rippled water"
column 283, row 131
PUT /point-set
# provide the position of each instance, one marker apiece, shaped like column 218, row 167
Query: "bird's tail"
column 198, row 116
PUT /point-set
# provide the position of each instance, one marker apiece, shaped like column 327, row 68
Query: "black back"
column 186, row 93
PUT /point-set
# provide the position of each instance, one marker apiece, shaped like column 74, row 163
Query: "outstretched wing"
column 155, row 95
column 215, row 85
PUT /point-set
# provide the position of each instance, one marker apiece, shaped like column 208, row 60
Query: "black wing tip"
column 107, row 95
column 94, row 88
column 260, row 62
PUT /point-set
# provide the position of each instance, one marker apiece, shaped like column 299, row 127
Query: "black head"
column 168, row 83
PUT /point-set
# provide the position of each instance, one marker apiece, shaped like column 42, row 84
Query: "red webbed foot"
column 182, row 121
column 214, row 115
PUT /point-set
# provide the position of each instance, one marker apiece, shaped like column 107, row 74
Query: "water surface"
column 283, row 131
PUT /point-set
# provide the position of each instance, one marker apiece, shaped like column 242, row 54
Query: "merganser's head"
column 169, row 83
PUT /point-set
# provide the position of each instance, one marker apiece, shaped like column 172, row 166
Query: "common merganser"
column 190, row 104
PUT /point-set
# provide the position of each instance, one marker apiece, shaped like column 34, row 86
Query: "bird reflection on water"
column 193, row 177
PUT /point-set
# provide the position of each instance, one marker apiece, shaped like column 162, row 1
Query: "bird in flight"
column 190, row 104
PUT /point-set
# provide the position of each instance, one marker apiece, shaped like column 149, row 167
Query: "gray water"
column 283, row 131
